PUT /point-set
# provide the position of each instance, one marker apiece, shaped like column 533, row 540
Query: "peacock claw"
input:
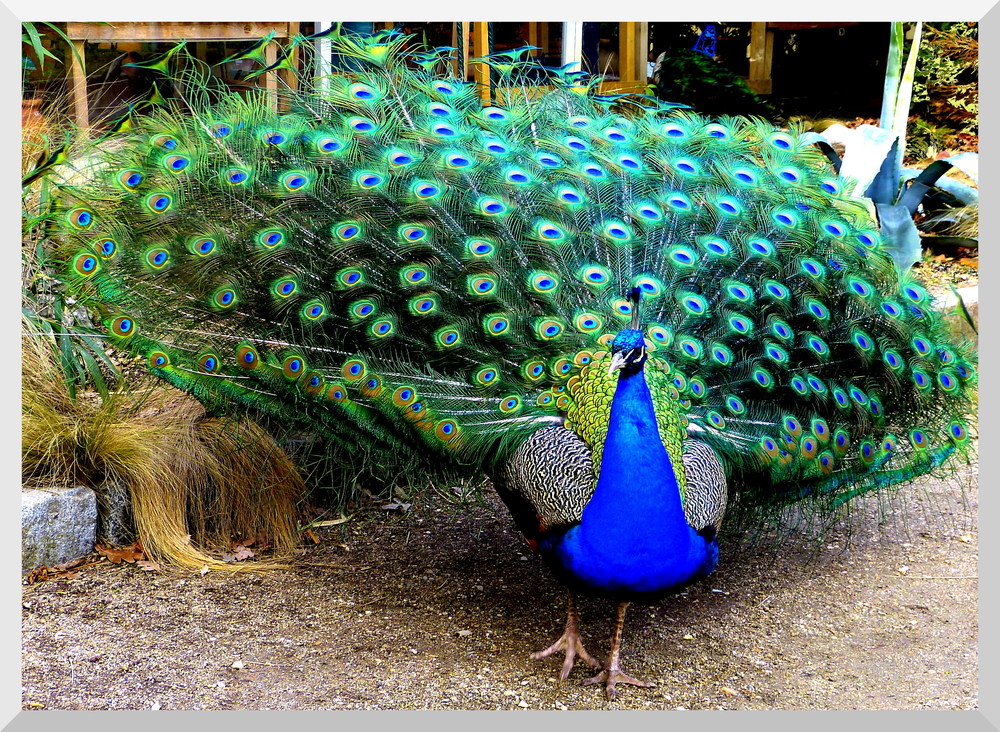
column 612, row 676
column 572, row 645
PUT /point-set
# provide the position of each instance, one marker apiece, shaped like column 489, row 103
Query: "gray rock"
column 57, row 525
column 115, row 525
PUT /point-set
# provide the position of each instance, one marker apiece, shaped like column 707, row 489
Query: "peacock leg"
column 570, row 643
column 612, row 673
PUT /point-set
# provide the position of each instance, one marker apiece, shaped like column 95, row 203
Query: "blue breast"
column 633, row 538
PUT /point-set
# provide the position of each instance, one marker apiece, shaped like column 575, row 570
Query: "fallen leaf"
column 729, row 692
column 204, row 570
column 117, row 555
column 73, row 563
column 45, row 573
column 260, row 541
column 39, row 574
column 148, row 566
column 239, row 554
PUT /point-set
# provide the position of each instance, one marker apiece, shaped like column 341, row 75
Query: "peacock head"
column 628, row 351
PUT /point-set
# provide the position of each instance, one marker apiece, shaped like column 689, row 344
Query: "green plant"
column 945, row 88
column 872, row 164
column 192, row 480
column 47, row 311
column 35, row 54
column 694, row 79
column 33, row 38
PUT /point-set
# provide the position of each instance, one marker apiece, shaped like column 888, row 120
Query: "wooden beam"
column 134, row 31
column 81, row 33
column 808, row 26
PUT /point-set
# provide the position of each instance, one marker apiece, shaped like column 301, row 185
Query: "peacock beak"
column 618, row 360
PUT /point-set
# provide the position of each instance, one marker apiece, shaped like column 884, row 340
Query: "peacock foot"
column 612, row 676
column 572, row 645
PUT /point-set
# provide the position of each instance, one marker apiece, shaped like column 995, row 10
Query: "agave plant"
column 872, row 164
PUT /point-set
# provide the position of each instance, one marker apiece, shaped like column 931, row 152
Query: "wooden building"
column 620, row 53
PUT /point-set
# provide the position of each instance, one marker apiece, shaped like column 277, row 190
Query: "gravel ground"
column 439, row 607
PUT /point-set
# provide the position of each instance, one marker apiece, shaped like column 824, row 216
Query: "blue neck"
column 633, row 536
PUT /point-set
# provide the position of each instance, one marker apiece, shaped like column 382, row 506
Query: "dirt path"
column 438, row 609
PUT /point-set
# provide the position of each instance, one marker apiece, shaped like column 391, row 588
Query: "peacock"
column 632, row 318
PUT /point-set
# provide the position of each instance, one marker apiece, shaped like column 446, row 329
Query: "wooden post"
column 533, row 37
column 270, row 78
column 290, row 77
column 79, row 84
column 134, row 32
column 642, row 51
column 761, row 51
column 481, row 40
column 543, row 37
column 626, row 51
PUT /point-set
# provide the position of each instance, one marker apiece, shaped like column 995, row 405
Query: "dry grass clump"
column 193, row 480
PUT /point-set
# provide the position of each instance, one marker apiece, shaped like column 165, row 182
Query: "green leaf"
column 903, row 95
column 892, row 70
column 964, row 310
column 34, row 39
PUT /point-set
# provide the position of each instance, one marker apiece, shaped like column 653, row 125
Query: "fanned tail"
column 391, row 262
